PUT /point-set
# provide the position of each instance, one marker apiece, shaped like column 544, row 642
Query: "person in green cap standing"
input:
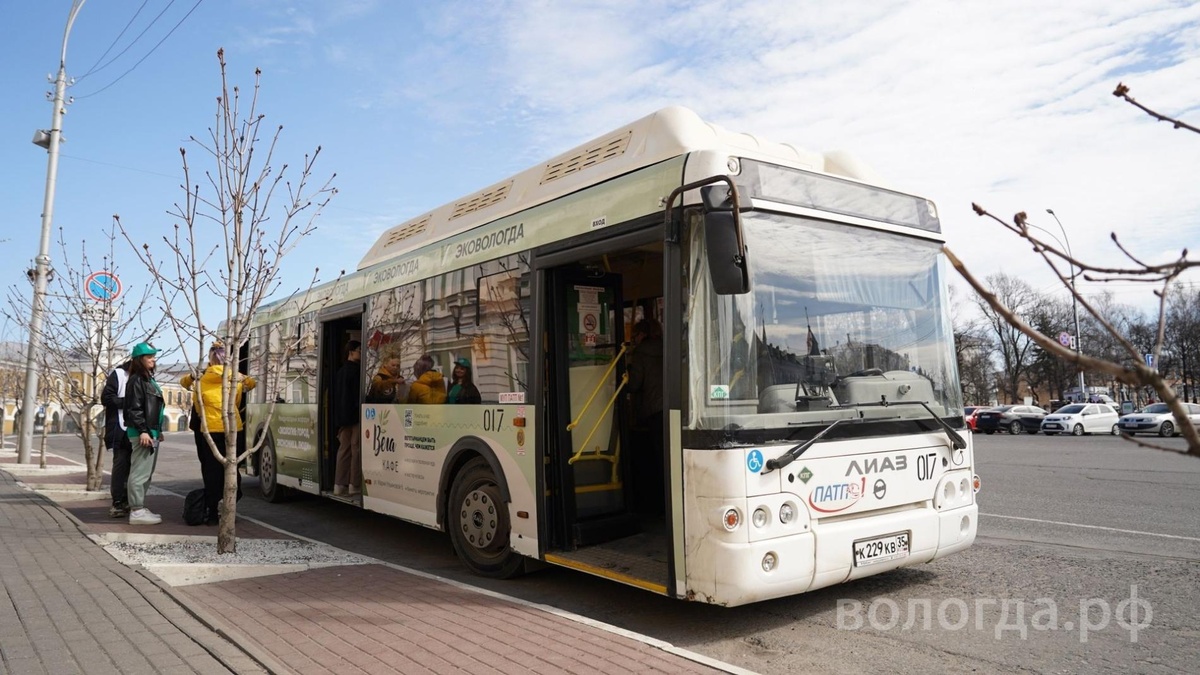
column 463, row 389
column 144, row 410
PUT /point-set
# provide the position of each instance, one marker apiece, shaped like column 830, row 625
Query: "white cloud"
column 1008, row 104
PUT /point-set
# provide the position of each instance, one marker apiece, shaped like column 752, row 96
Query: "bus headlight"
column 760, row 517
column 769, row 561
column 732, row 519
column 787, row 513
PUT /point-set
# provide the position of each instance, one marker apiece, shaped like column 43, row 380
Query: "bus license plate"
column 881, row 549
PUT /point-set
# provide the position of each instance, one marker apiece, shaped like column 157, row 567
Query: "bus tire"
column 478, row 521
column 268, row 472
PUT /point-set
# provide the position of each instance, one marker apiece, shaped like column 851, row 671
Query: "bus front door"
column 586, row 474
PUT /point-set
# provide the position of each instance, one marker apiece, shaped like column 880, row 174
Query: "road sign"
column 1150, row 360
column 102, row 286
column 1064, row 339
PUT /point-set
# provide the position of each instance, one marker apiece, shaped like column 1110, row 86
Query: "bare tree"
column 973, row 351
column 85, row 334
column 1013, row 346
column 1183, row 335
column 1050, row 316
column 1129, row 368
column 12, row 382
column 228, row 245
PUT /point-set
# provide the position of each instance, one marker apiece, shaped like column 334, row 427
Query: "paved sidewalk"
column 73, row 608
column 69, row 607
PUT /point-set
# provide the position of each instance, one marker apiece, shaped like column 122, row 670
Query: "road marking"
column 1093, row 527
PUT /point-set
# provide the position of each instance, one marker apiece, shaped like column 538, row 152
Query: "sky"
column 1005, row 103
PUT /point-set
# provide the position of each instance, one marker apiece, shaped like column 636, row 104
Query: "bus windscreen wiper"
column 955, row 440
column 794, row 453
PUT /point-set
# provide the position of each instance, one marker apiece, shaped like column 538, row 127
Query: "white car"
column 1078, row 419
column 1157, row 418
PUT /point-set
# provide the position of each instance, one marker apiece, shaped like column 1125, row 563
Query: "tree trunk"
column 226, row 528
column 93, row 458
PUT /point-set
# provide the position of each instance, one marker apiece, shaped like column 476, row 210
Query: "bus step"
column 605, row 528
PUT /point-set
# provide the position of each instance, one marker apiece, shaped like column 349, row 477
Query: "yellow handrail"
column 575, row 422
column 597, row 454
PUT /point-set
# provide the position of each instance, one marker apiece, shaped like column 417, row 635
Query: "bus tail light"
column 769, row 561
column 976, row 484
column 732, row 519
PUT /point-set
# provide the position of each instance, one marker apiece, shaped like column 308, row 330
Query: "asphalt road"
column 1088, row 561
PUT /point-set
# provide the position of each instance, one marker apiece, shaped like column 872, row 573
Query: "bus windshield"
column 842, row 322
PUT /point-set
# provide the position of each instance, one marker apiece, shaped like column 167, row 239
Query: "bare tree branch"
column 1133, row 372
column 1123, row 92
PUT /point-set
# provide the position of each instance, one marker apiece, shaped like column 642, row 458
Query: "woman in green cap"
column 144, row 410
column 463, row 389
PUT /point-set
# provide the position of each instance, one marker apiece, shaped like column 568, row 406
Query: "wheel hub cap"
column 478, row 518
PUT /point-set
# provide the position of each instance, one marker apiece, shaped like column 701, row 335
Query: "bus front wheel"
column 268, row 472
column 479, row 525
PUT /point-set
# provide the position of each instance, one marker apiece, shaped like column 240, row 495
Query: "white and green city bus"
column 813, row 428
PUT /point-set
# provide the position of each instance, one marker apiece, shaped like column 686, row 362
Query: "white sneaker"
column 144, row 516
column 339, row 490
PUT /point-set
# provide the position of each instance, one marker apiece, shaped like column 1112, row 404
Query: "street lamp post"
column 1074, row 302
column 41, row 271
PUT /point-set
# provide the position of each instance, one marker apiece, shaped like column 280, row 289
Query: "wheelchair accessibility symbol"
column 754, row 461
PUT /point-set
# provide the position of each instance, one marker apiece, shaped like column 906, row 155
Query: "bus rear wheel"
column 479, row 525
column 268, row 472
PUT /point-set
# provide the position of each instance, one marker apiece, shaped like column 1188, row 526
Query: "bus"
column 811, row 428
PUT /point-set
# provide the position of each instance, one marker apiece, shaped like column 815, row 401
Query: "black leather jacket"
column 143, row 407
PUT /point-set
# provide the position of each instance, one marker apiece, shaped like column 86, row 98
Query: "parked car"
column 1078, row 419
column 969, row 413
column 1011, row 418
column 1157, row 418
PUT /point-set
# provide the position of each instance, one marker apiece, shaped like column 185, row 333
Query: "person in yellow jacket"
column 429, row 387
column 208, row 391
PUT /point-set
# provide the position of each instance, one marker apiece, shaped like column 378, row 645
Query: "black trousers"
column 649, row 491
column 122, row 452
column 212, row 471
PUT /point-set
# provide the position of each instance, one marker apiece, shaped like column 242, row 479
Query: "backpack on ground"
column 193, row 507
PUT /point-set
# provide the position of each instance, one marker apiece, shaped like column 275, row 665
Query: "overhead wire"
column 106, row 64
column 152, row 50
column 115, row 41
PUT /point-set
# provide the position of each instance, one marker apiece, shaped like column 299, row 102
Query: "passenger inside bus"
column 428, row 387
column 348, row 470
column 463, row 389
column 645, row 385
column 388, row 384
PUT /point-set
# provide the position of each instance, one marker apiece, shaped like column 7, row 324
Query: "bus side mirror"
column 726, row 258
